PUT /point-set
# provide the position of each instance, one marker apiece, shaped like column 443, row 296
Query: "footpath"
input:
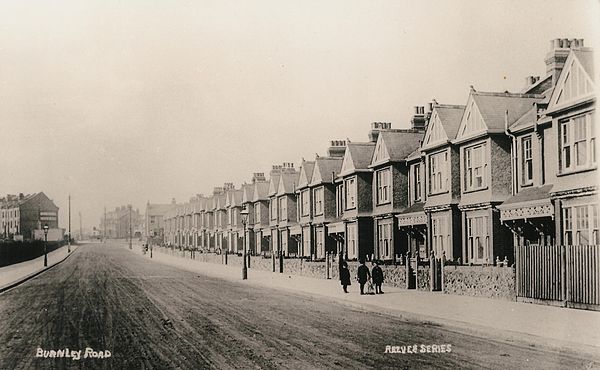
column 17, row 273
column 556, row 327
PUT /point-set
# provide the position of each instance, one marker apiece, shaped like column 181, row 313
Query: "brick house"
column 355, row 198
column 323, row 200
column 21, row 215
column 304, row 201
column 485, row 172
column 390, row 189
column 570, row 151
column 287, row 216
column 261, row 229
column 442, row 190
column 233, row 204
column 412, row 221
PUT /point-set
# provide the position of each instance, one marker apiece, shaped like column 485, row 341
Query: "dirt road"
column 152, row 316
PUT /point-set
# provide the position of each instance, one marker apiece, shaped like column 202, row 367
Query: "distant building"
column 154, row 220
column 117, row 223
column 21, row 215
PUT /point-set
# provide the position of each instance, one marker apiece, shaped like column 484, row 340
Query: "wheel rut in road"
column 153, row 316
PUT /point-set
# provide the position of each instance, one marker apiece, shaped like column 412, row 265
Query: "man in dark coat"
column 363, row 275
column 345, row 276
column 377, row 274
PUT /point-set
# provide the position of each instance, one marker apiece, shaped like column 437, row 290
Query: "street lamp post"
column 45, row 245
column 244, row 214
column 69, row 240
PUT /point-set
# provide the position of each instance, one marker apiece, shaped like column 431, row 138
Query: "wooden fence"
column 566, row 274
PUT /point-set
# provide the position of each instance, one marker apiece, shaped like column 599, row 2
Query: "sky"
column 124, row 102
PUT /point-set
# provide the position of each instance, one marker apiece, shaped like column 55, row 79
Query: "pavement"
column 17, row 273
column 514, row 321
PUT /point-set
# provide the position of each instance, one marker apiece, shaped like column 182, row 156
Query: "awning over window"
column 336, row 227
column 529, row 203
column 296, row 230
column 411, row 219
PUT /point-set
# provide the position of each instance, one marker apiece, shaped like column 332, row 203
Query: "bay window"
column 581, row 225
column 305, row 199
column 318, row 201
column 577, row 143
column 440, row 236
column 382, row 177
column 478, row 239
column 350, row 192
column 475, row 166
column 351, row 241
column 438, row 172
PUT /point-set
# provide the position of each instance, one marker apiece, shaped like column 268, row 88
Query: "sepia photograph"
column 276, row 184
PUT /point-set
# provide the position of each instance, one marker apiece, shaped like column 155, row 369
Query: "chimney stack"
column 228, row 186
column 418, row 121
column 217, row 190
column 376, row 127
column 337, row 148
column 258, row 177
column 556, row 57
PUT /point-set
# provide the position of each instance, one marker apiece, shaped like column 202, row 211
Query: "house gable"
column 316, row 175
column 348, row 163
column 381, row 153
column 435, row 131
column 472, row 122
column 574, row 83
column 280, row 186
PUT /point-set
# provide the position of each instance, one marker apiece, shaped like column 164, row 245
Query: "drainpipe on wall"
column 513, row 154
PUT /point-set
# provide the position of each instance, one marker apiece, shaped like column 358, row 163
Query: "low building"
column 21, row 215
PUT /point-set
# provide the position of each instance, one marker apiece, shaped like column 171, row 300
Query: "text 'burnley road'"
column 105, row 300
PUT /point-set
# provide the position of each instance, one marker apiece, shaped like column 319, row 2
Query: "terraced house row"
column 472, row 183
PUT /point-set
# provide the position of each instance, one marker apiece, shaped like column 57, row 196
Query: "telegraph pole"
column 130, row 233
column 69, row 241
column 105, row 224
column 80, row 227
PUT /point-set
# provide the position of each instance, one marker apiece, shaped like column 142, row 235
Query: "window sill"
column 527, row 185
column 384, row 203
column 475, row 190
column 577, row 170
column 439, row 192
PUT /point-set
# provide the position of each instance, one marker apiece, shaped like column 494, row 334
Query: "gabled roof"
column 247, row 192
column 357, row 157
column 219, row 202
column 487, row 112
column 261, row 191
column 395, row 145
column 416, row 154
column 235, row 198
column 323, row 169
column 287, row 183
column 274, row 184
column 576, row 81
column 306, row 173
column 527, row 120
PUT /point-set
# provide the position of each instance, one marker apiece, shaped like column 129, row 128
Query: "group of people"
column 363, row 276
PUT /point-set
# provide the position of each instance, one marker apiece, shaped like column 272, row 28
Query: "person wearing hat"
column 363, row 275
column 377, row 274
column 345, row 276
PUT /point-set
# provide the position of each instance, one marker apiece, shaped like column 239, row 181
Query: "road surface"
column 153, row 316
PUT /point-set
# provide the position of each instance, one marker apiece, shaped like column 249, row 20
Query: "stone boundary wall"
column 478, row 281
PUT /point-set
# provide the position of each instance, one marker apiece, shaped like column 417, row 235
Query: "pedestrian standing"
column 377, row 274
column 345, row 276
column 363, row 275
